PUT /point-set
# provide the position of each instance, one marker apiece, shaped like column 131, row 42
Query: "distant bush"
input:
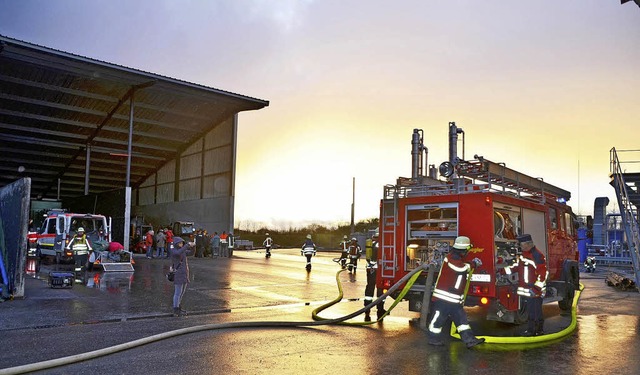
column 327, row 238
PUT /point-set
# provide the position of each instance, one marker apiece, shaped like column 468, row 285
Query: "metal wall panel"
column 149, row 181
column 165, row 193
column 194, row 148
column 167, row 173
column 217, row 160
column 189, row 189
column 145, row 195
column 221, row 135
column 190, row 167
column 216, row 186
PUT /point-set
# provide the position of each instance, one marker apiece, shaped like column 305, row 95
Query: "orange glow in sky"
column 547, row 87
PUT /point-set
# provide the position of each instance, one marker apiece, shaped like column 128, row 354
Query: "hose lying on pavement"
column 412, row 277
column 534, row 339
column 39, row 366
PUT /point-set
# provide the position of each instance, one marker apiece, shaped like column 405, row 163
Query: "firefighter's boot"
column 435, row 340
column 176, row 311
column 182, row 311
column 381, row 313
column 470, row 339
column 531, row 329
column 367, row 316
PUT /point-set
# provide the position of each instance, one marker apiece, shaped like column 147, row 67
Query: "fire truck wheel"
column 566, row 303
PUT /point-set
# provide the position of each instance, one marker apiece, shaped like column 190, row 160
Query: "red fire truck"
column 421, row 216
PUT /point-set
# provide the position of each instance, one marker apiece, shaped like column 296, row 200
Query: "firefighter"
column 267, row 245
column 224, row 244
column 590, row 264
column 532, row 282
column 371, row 255
column 199, row 243
column 450, row 292
column 354, row 254
column 344, row 245
column 80, row 247
column 308, row 250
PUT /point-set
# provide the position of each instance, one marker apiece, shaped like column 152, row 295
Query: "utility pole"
column 353, row 204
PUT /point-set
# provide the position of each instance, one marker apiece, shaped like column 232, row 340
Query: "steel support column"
column 87, row 168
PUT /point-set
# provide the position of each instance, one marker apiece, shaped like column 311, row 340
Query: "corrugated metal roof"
column 53, row 104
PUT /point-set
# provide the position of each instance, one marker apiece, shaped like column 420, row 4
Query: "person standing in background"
column 148, row 242
column 215, row 244
column 169, row 233
column 207, row 243
column 161, row 242
column 371, row 255
column 199, row 240
column 224, row 245
column 180, row 265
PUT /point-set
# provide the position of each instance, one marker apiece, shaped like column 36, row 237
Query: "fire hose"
column 409, row 279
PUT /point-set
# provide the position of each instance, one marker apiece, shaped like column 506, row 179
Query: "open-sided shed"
column 106, row 138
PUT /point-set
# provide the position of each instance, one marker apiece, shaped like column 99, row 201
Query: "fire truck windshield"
column 90, row 224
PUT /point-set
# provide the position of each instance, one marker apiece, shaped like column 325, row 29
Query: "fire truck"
column 421, row 216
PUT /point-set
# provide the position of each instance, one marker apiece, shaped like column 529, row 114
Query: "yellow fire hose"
column 534, row 339
column 412, row 280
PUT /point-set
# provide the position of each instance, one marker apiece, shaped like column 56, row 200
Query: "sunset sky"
column 547, row 87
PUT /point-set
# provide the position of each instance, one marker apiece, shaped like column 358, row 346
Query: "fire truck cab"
column 421, row 216
column 59, row 227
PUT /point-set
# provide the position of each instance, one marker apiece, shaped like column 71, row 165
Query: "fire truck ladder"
column 627, row 187
column 501, row 179
column 389, row 218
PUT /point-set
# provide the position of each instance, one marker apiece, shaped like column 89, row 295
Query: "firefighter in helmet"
column 371, row 255
column 308, row 250
column 531, row 266
column 450, row 292
column 590, row 264
column 354, row 254
column 80, row 247
column 268, row 242
column 344, row 245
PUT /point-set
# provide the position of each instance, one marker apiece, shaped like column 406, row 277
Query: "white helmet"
column 462, row 243
column 308, row 236
column 267, row 234
column 81, row 229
